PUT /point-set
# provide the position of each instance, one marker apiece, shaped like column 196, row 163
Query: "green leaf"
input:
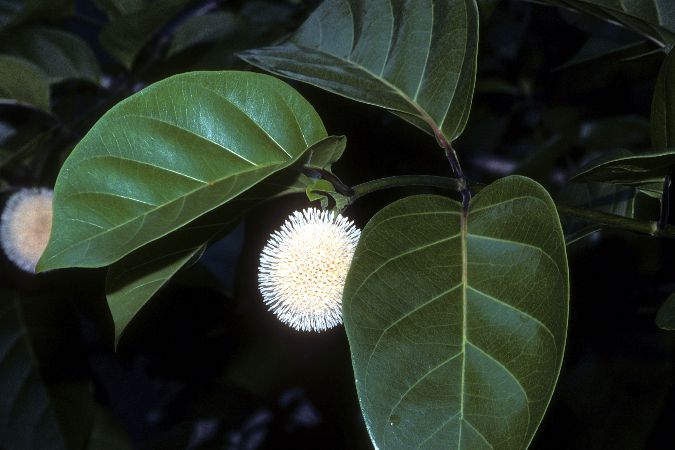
column 663, row 106
column 317, row 190
column 134, row 279
column 202, row 29
column 457, row 326
column 415, row 58
column 169, row 154
column 645, row 171
column 35, row 414
column 324, row 153
column 654, row 19
column 60, row 55
column 665, row 317
column 23, row 82
column 604, row 197
column 126, row 35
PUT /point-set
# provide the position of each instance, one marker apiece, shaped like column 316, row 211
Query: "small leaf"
column 169, row 154
column 457, row 324
column 318, row 189
column 643, row 170
column 324, row 153
column 654, row 19
column 416, row 58
column 60, row 55
column 202, row 29
column 24, row 82
column 663, row 106
column 126, row 35
column 665, row 317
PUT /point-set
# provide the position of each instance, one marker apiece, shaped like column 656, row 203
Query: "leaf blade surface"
column 168, row 155
column 457, row 327
column 417, row 59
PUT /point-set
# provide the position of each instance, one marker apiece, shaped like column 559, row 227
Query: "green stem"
column 368, row 187
column 618, row 222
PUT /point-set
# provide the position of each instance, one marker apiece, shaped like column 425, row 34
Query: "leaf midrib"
column 464, row 219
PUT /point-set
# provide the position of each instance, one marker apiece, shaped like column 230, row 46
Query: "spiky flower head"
column 25, row 226
column 303, row 268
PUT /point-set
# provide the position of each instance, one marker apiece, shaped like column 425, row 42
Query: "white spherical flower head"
column 303, row 268
column 25, row 226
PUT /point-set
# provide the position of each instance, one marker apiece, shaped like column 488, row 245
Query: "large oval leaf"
column 457, row 324
column 415, row 58
column 169, row 154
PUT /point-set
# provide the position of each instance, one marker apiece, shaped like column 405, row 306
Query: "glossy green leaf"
column 35, row 413
column 23, row 82
column 126, row 35
column 457, row 325
column 59, row 54
column 665, row 317
column 169, row 154
column 324, row 153
column 663, row 106
column 654, row 19
column 415, row 58
column 316, row 190
column 202, row 29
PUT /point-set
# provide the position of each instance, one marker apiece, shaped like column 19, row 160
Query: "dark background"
column 205, row 366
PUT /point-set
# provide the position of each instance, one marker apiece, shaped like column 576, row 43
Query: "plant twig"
column 456, row 169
